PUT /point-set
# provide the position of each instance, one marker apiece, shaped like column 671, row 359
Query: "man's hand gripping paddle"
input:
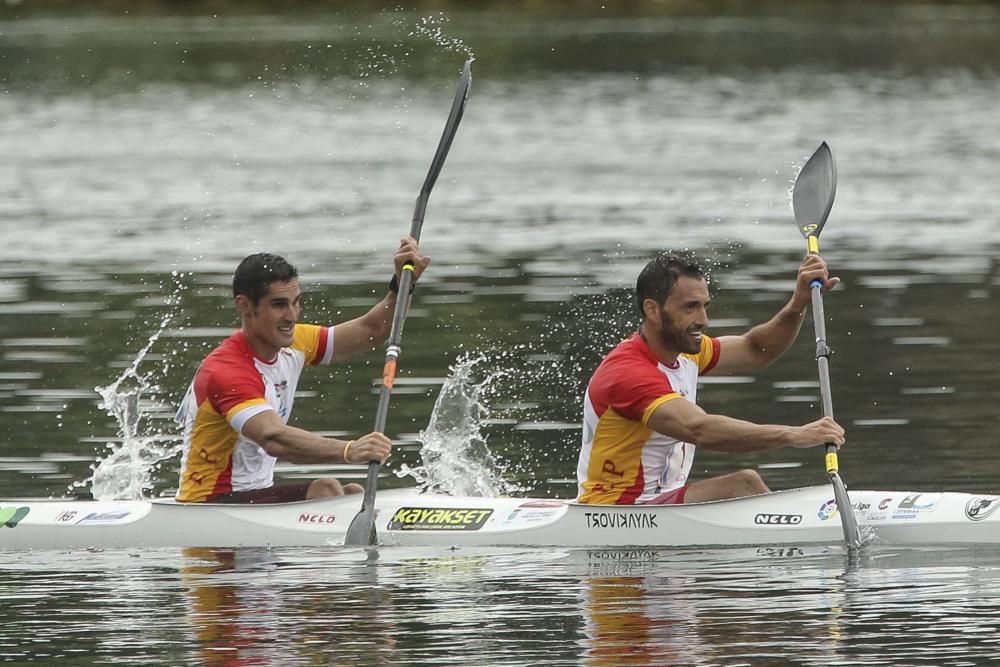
column 812, row 199
column 361, row 532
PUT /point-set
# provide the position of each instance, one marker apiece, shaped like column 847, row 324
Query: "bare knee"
column 749, row 482
column 327, row 487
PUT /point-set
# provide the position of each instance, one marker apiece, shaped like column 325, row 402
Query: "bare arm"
column 682, row 419
column 364, row 333
column 372, row 329
column 300, row 446
column 764, row 343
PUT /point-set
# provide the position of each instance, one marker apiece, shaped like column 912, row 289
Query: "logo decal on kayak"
column 912, row 505
column 827, row 510
column 778, row 519
column 317, row 518
column 115, row 516
column 11, row 516
column 979, row 508
column 438, row 518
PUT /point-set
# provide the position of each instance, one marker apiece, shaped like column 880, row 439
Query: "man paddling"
column 641, row 423
column 235, row 413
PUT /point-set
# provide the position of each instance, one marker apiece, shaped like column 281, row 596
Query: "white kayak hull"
column 407, row 517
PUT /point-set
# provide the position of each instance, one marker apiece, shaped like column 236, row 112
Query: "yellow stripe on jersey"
column 306, row 337
column 612, row 469
column 212, row 443
column 657, row 403
column 704, row 358
column 236, row 409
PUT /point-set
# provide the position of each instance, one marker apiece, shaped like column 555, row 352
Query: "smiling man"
column 235, row 413
column 641, row 423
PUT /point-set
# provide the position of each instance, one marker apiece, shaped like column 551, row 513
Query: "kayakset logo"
column 11, row 516
column 437, row 518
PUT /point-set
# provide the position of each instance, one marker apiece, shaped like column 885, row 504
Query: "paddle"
column 361, row 532
column 812, row 199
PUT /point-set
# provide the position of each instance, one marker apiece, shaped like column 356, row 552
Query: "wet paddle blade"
column 852, row 535
column 814, row 190
column 361, row 532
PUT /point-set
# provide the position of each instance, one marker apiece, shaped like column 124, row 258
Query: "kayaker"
column 235, row 413
column 641, row 423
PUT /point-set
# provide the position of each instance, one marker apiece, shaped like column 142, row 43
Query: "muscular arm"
column 764, row 343
column 682, row 419
column 367, row 332
column 372, row 329
column 299, row 446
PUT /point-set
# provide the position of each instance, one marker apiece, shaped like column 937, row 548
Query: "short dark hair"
column 657, row 278
column 254, row 275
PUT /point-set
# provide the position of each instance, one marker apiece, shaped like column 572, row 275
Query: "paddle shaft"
column 852, row 535
column 361, row 532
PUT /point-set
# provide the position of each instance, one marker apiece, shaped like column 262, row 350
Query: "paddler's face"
column 272, row 321
column 684, row 316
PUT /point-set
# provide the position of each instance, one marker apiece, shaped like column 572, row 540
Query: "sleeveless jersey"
column 622, row 460
column 229, row 388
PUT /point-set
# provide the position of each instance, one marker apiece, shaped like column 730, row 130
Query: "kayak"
column 409, row 517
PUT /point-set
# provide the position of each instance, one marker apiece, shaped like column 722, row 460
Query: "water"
column 503, row 607
column 137, row 147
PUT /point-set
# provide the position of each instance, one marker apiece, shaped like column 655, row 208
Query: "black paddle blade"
column 361, row 532
column 450, row 127
column 814, row 190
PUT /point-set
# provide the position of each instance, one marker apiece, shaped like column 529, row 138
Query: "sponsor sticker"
column 535, row 511
column 439, row 518
column 11, row 516
column 912, row 505
column 324, row 519
column 778, row 519
column 981, row 507
column 104, row 517
column 827, row 510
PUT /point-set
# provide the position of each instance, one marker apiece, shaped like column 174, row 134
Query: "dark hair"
column 254, row 275
column 657, row 278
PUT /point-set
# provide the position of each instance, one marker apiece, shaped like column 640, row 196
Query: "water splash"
column 456, row 459
column 432, row 28
column 126, row 471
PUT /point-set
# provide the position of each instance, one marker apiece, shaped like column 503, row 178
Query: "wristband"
column 394, row 285
column 347, row 448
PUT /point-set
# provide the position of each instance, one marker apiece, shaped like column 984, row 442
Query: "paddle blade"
column 852, row 535
column 450, row 127
column 814, row 190
column 361, row 532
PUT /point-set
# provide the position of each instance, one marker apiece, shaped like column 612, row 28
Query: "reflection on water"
column 138, row 146
column 504, row 606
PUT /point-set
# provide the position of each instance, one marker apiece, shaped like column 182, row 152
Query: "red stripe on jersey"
column 228, row 376
column 630, row 366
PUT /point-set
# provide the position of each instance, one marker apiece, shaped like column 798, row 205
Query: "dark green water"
column 144, row 154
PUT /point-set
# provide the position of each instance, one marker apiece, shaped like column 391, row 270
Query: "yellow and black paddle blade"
column 813, row 192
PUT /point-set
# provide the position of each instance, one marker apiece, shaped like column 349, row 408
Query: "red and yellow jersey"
column 622, row 460
column 230, row 387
